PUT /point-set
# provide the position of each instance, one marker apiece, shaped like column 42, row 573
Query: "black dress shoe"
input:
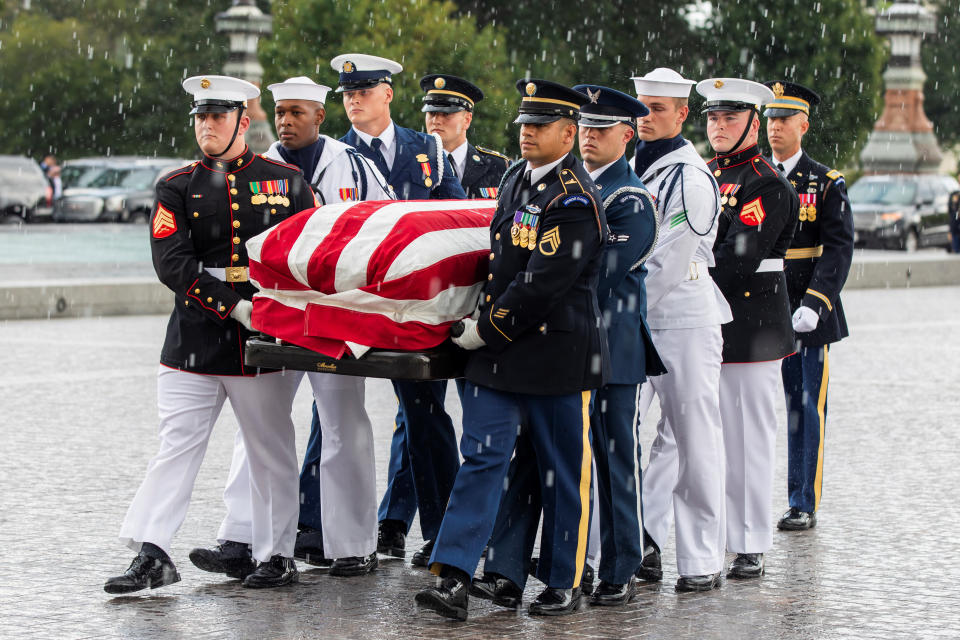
column 796, row 520
column 650, row 569
column 556, row 602
column 230, row 558
column 746, row 566
column 144, row 573
column 586, row 580
column 422, row 557
column 609, row 594
column 309, row 548
column 354, row 565
column 449, row 599
column 499, row 590
column 392, row 538
column 698, row 583
column 279, row 571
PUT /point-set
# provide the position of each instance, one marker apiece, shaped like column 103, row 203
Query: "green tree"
column 425, row 36
column 827, row 45
column 103, row 76
column 942, row 89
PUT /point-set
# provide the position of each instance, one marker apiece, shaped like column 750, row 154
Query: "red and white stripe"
column 383, row 274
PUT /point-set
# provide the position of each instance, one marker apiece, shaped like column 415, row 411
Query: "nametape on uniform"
column 164, row 224
column 569, row 200
column 752, row 213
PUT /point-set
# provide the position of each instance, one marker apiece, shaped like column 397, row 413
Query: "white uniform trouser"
column 347, row 472
column 188, row 405
column 685, row 473
column 748, row 396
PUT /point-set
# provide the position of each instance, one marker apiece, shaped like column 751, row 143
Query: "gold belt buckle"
column 236, row 274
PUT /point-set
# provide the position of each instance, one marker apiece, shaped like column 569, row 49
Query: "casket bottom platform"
column 440, row 363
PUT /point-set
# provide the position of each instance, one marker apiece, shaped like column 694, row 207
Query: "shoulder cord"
column 643, row 193
column 439, row 144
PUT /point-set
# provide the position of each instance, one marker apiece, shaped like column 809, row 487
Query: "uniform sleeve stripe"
column 826, row 300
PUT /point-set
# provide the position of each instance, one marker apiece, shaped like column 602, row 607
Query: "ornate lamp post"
column 244, row 23
column 902, row 140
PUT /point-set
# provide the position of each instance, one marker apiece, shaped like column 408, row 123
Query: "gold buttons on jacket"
column 492, row 255
column 233, row 192
column 222, row 308
column 489, row 276
column 488, row 297
column 209, row 299
column 197, row 291
column 186, row 303
column 196, row 214
column 746, row 294
column 272, row 211
column 235, row 206
column 231, row 177
column 235, row 257
column 717, row 173
column 236, row 240
column 236, row 224
column 497, row 237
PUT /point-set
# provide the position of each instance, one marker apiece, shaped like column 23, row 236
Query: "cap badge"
column 439, row 83
column 204, row 84
column 778, row 90
column 531, row 88
column 593, row 95
column 718, row 84
column 348, row 67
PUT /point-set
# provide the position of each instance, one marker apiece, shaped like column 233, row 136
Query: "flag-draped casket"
column 348, row 277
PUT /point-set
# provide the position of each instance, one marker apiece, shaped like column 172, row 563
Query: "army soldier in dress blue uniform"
column 204, row 214
column 607, row 124
column 816, row 267
column 423, row 452
column 449, row 104
column 754, row 232
column 537, row 349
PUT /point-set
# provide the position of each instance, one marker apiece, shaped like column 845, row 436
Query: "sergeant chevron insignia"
column 752, row 213
column 164, row 224
column 550, row 241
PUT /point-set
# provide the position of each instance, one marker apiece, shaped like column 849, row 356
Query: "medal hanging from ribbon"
column 808, row 207
column 427, row 180
column 270, row 192
column 727, row 192
column 515, row 228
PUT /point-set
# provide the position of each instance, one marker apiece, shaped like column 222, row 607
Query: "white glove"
column 805, row 319
column 242, row 312
column 470, row 338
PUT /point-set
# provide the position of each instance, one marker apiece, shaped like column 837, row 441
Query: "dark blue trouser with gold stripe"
column 805, row 378
column 423, row 457
column 558, row 428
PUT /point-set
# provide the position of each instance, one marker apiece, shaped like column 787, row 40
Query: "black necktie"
column 452, row 164
column 523, row 186
column 378, row 158
column 780, row 167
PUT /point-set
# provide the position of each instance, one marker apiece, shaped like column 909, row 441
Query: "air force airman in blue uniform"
column 816, row 267
column 537, row 350
column 423, row 453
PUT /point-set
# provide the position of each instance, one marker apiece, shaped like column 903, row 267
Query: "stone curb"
column 145, row 296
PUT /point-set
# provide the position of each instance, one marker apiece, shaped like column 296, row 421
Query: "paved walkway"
column 78, row 425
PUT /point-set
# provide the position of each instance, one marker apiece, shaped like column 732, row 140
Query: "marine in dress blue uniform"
column 423, row 451
column 480, row 170
column 204, row 214
column 538, row 348
column 632, row 223
column 816, row 267
column 754, row 231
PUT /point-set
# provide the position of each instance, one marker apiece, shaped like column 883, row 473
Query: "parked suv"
column 902, row 211
column 23, row 190
column 118, row 188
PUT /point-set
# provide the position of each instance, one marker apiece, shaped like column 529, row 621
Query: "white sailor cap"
column 360, row 71
column 219, row 94
column 733, row 94
column 663, row 82
column 299, row 88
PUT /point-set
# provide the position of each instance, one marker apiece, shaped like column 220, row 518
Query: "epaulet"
column 491, row 152
column 574, row 193
column 285, row 165
column 181, row 171
column 834, row 175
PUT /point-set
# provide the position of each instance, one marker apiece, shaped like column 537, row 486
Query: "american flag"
column 385, row 274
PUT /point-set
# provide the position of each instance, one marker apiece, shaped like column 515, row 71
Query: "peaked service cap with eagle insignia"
column 608, row 107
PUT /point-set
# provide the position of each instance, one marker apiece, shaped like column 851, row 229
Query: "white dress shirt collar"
column 459, row 157
column 790, row 163
column 387, row 137
column 594, row 175
column 537, row 174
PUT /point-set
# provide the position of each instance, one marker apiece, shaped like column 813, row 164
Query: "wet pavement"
column 78, row 425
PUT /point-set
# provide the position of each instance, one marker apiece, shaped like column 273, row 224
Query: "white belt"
column 697, row 269
column 770, row 264
column 217, row 272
